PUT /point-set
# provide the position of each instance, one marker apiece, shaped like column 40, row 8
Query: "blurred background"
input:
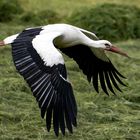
column 100, row 117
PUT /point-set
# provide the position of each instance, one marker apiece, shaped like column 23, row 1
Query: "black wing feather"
column 61, row 116
column 117, row 77
column 67, row 117
column 50, row 112
column 113, row 81
column 56, row 116
column 108, row 82
column 102, row 81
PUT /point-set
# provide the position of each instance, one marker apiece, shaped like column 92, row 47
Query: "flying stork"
column 36, row 55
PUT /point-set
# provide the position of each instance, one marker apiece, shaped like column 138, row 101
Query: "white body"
column 71, row 35
column 65, row 36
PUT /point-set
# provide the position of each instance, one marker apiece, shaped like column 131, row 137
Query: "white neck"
column 92, row 43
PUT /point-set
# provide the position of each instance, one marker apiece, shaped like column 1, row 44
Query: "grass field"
column 99, row 117
column 65, row 7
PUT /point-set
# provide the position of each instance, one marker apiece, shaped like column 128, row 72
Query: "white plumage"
column 50, row 55
column 37, row 57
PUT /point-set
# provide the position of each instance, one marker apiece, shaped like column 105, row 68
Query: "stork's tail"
column 2, row 43
column 8, row 40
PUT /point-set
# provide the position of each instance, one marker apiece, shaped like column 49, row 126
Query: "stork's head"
column 107, row 46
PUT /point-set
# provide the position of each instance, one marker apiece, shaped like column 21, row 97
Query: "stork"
column 36, row 55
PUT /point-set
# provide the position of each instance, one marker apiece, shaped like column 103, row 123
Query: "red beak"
column 117, row 50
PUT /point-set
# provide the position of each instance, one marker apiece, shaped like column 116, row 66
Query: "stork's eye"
column 107, row 45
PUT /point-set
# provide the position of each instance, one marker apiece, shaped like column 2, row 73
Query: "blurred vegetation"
column 9, row 10
column 113, row 22
column 109, row 21
column 40, row 18
column 99, row 117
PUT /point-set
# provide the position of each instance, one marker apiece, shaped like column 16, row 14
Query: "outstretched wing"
column 42, row 66
column 95, row 65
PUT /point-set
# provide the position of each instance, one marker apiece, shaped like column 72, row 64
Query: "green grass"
column 65, row 7
column 99, row 117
